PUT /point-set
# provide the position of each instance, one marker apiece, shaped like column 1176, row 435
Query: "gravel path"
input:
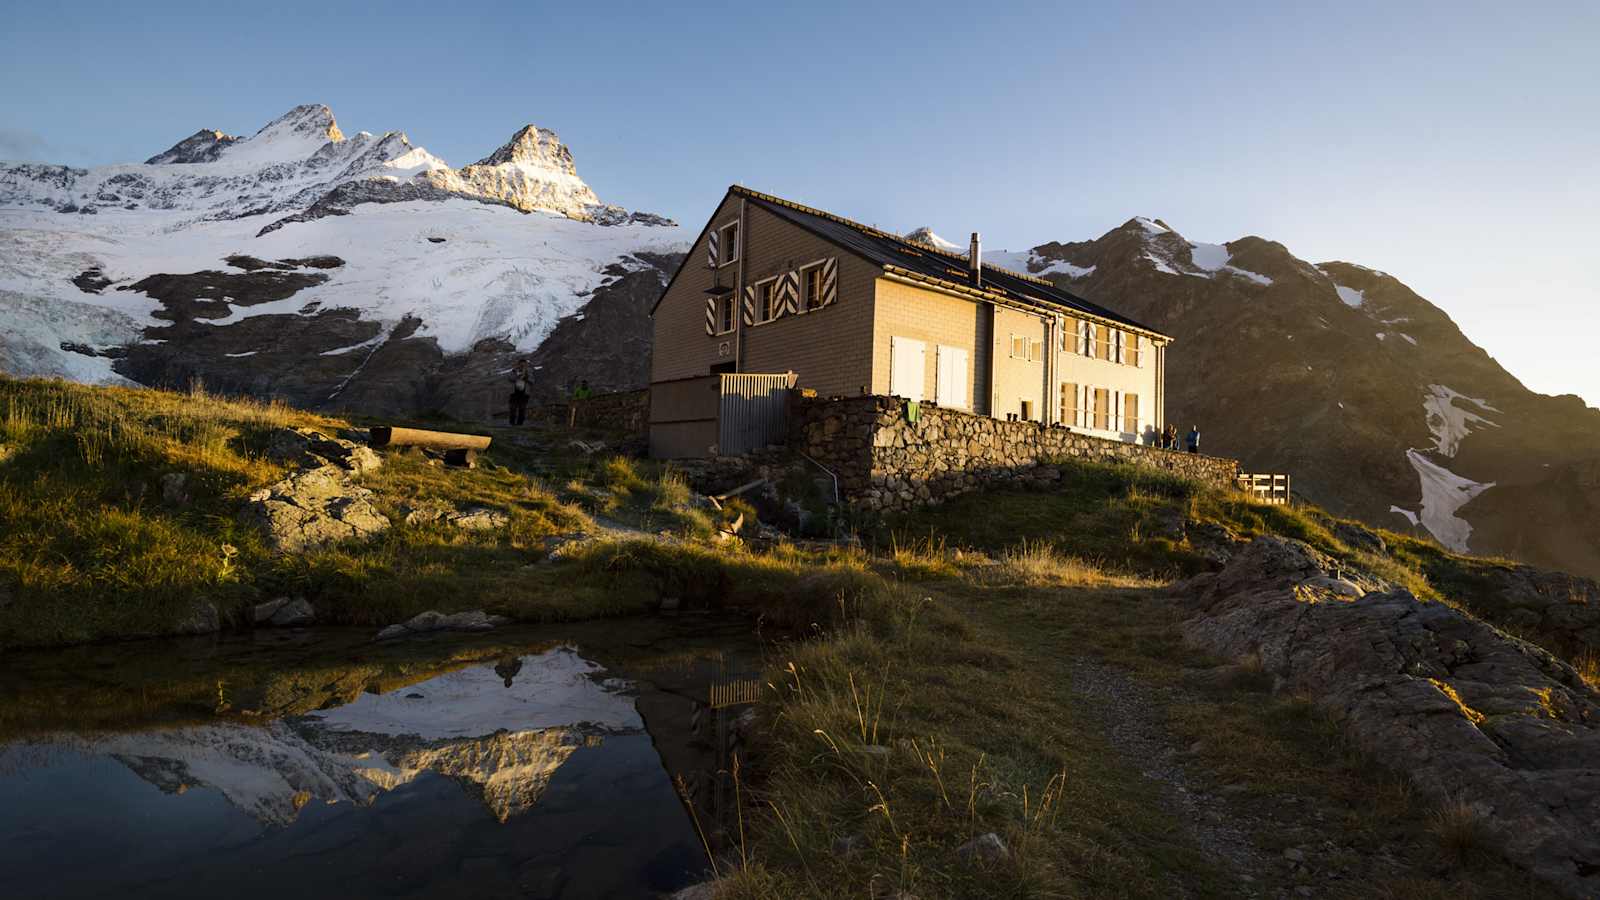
column 1129, row 713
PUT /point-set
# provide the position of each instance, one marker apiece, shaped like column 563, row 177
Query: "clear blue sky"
column 1455, row 145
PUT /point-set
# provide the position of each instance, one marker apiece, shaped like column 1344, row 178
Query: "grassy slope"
column 89, row 549
column 951, row 650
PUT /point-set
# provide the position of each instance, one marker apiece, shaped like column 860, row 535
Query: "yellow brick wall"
column 933, row 318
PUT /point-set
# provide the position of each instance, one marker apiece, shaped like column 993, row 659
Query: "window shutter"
column 830, row 280
column 1116, row 344
column 749, row 304
column 711, row 247
column 788, row 295
column 711, row 315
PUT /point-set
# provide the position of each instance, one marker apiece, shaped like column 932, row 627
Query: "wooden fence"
column 1273, row 489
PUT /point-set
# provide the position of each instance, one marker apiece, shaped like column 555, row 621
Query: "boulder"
column 309, row 448
column 431, row 621
column 202, row 619
column 284, row 612
column 1461, row 708
column 313, row 508
column 985, row 848
column 175, row 489
column 1360, row 537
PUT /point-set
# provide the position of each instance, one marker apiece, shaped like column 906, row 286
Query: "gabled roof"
column 926, row 263
column 921, row 263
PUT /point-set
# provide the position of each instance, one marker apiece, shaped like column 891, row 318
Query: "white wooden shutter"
column 951, row 389
column 788, row 289
column 907, row 368
column 1116, row 345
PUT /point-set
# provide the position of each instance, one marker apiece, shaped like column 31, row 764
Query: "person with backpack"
column 519, row 392
column 1193, row 439
column 579, row 394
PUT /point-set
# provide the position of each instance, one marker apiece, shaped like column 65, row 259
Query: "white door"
column 951, row 389
column 907, row 368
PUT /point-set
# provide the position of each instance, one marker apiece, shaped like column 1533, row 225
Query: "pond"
column 520, row 765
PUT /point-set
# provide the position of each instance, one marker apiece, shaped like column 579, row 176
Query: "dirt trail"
column 1129, row 713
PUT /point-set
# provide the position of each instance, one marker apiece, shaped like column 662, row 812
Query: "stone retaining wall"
column 885, row 463
column 623, row 412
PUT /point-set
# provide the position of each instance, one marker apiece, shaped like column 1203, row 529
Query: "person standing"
column 519, row 392
column 579, row 394
column 1194, row 439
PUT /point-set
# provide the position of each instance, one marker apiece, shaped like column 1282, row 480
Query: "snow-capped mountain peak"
column 202, row 146
column 532, row 145
column 927, row 238
column 352, row 244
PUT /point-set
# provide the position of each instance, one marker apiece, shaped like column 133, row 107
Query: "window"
column 1130, row 413
column 1116, row 345
column 1019, row 347
column 725, row 313
column 767, row 300
column 1035, row 351
column 1102, row 343
column 951, row 388
column 1135, row 351
column 728, row 244
column 1069, row 404
column 1069, row 334
column 811, row 287
column 1102, row 409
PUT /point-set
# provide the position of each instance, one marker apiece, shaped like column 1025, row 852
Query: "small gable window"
column 728, row 244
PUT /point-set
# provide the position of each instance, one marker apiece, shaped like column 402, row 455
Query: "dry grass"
column 1461, row 831
column 1041, row 564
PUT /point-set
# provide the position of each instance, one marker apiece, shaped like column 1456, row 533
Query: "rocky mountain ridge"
column 1345, row 378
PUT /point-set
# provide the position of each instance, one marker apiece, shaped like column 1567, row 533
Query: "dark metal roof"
column 888, row 249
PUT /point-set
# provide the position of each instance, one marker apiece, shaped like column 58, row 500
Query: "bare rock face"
column 313, row 508
column 533, row 171
column 203, row 146
column 1466, row 711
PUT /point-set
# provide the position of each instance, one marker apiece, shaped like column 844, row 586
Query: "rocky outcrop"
column 428, row 622
column 1470, row 714
column 203, row 146
column 312, row 509
column 320, row 504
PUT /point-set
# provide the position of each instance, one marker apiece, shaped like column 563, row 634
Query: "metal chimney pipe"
column 975, row 260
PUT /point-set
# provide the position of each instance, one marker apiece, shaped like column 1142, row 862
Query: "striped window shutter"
column 711, row 248
column 830, row 281
column 749, row 305
column 788, row 294
column 711, row 315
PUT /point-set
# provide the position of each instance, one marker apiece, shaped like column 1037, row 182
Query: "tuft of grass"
column 1461, row 831
column 1039, row 564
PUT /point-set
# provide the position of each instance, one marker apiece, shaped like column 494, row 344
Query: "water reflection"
column 533, row 776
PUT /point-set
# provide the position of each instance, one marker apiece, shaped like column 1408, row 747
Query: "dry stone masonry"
column 887, row 463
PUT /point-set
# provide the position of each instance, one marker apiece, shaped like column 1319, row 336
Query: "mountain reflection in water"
column 533, row 776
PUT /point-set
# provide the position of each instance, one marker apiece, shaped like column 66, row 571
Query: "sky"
column 1453, row 145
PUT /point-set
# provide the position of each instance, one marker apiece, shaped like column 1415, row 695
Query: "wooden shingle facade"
column 773, row 286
